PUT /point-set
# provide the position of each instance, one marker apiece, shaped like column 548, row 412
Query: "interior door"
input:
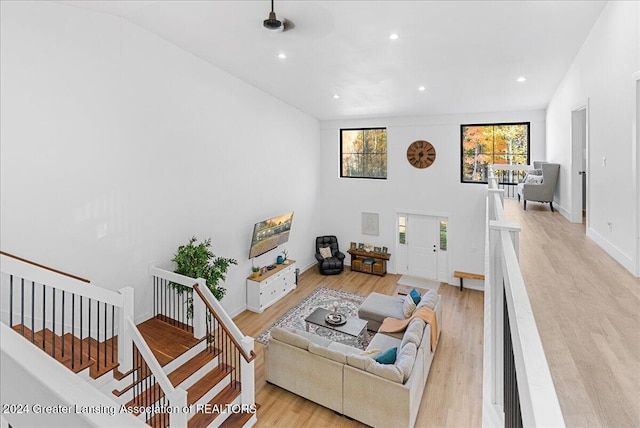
column 422, row 246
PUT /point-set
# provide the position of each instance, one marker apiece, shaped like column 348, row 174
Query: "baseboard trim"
column 618, row 255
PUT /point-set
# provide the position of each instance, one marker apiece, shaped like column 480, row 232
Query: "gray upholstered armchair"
column 540, row 188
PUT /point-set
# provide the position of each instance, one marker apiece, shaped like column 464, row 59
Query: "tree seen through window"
column 363, row 153
column 483, row 145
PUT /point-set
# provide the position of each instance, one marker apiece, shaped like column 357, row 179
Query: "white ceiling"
column 467, row 54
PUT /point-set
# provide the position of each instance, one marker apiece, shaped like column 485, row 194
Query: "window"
column 363, row 153
column 498, row 143
column 402, row 229
column 443, row 235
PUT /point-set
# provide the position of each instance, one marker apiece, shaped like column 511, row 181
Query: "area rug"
column 322, row 297
column 412, row 281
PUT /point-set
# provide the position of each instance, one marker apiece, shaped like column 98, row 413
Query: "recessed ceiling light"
column 393, row 36
column 282, row 56
column 522, row 79
column 421, row 88
column 336, row 96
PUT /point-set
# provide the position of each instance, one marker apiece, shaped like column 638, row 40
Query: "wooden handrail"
column 45, row 267
column 248, row 358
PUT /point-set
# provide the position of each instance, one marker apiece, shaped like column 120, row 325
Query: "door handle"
column 582, row 172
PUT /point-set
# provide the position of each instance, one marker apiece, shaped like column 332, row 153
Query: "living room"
column 117, row 146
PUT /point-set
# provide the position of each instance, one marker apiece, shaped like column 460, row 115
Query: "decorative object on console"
column 421, row 154
column 198, row 261
column 279, row 260
column 328, row 245
column 255, row 271
column 353, row 246
column 377, row 249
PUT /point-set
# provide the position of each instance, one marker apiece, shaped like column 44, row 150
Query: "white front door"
column 422, row 246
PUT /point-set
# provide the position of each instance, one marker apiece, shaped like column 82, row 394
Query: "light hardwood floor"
column 587, row 308
column 453, row 395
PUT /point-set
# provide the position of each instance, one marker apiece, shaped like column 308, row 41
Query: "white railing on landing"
column 517, row 385
column 34, row 310
column 208, row 319
column 509, row 176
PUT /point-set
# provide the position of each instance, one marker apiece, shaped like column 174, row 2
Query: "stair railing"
column 206, row 318
column 518, row 389
column 152, row 390
column 73, row 321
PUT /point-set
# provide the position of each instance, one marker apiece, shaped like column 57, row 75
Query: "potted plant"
column 196, row 260
column 255, row 271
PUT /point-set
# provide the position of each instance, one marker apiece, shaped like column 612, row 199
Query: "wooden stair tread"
column 183, row 372
column 70, row 359
column 238, row 420
column 159, row 420
column 206, row 383
column 179, row 375
column 166, row 341
column 224, row 397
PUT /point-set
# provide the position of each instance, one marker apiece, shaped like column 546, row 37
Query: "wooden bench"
column 467, row 275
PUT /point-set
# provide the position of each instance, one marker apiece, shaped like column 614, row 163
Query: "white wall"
column 435, row 190
column 602, row 74
column 117, row 146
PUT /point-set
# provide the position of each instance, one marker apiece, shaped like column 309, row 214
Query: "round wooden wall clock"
column 421, row 154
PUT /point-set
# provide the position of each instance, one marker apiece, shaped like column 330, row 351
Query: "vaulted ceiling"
column 340, row 62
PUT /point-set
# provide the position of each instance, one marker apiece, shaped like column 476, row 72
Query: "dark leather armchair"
column 329, row 265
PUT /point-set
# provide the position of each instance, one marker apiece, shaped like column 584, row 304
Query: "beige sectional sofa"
column 348, row 380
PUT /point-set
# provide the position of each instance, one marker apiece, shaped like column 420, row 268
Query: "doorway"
column 422, row 246
column 579, row 165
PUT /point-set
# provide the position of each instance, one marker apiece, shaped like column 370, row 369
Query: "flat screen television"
column 270, row 233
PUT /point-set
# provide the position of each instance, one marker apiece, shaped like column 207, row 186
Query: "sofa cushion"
column 326, row 352
column 387, row 371
column 344, row 349
column 383, row 341
column 406, row 359
column 377, row 307
column 387, row 357
column 429, row 299
column 413, row 333
column 533, row 179
column 311, row 337
column 359, row 361
column 290, row 338
column 408, row 306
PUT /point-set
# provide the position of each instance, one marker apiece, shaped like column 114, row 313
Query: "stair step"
column 69, row 359
column 167, row 342
column 183, row 372
column 237, row 420
column 208, row 381
column 175, row 323
column 105, row 365
column 217, row 406
column 153, row 392
column 159, row 420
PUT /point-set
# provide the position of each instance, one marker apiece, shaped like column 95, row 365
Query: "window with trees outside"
column 497, row 143
column 363, row 153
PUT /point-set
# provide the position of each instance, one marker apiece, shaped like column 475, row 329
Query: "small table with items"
column 369, row 262
column 352, row 326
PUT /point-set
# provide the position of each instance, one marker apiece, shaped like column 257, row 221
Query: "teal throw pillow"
column 415, row 296
column 388, row 356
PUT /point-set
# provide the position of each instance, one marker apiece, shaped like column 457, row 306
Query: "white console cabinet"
column 271, row 286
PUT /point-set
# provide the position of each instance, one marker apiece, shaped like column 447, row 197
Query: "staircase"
column 188, row 365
